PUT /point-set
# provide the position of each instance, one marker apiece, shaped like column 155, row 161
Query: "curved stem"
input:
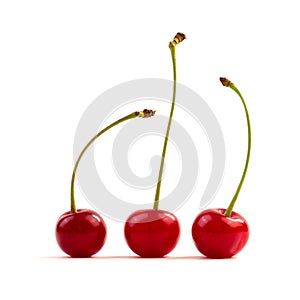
column 157, row 193
column 232, row 203
column 144, row 114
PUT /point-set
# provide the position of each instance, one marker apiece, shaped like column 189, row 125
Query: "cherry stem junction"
column 142, row 114
column 229, row 84
column 179, row 37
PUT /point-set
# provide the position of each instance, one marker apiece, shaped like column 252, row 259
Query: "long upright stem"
column 143, row 114
column 228, row 83
column 179, row 37
column 162, row 162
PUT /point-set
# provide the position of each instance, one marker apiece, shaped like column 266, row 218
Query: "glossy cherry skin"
column 218, row 236
column 80, row 234
column 152, row 232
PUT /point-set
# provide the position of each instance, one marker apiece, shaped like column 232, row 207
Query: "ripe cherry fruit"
column 82, row 232
column 152, row 232
column 220, row 233
column 155, row 232
column 219, row 236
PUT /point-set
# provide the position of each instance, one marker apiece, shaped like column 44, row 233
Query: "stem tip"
column 226, row 82
column 147, row 113
column 178, row 38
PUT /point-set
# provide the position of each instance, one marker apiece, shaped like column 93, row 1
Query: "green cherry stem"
column 179, row 37
column 229, row 84
column 142, row 114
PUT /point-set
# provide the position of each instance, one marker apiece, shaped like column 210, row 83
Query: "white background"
column 56, row 57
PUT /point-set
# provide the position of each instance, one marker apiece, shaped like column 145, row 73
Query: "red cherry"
column 218, row 236
column 81, row 233
column 152, row 232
